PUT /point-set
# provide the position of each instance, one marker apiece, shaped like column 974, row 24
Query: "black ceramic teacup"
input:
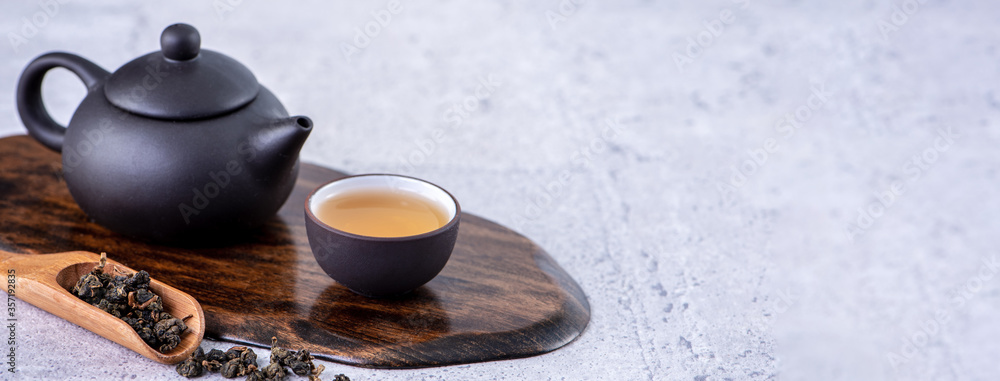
column 381, row 266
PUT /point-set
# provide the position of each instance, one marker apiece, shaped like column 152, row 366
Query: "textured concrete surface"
column 790, row 190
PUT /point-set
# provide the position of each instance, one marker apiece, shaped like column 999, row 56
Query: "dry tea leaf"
column 127, row 297
column 242, row 361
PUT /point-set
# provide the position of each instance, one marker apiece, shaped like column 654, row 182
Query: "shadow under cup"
column 381, row 266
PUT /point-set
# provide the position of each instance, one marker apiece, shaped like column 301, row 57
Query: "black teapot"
column 178, row 145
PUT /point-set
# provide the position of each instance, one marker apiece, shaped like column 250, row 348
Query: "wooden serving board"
column 499, row 297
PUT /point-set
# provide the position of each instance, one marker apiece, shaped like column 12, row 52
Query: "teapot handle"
column 29, row 94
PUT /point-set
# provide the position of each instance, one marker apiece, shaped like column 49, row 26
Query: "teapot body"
column 175, row 181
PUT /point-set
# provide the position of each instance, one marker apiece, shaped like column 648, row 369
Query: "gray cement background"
column 715, row 237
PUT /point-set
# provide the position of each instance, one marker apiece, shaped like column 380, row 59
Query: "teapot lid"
column 181, row 81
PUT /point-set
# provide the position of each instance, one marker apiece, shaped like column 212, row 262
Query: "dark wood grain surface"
column 499, row 297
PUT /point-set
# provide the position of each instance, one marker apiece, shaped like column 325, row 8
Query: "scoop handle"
column 35, row 282
column 40, row 268
column 30, row 106
column 34, row 278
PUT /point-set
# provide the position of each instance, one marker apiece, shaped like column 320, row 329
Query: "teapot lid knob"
column 180, row 42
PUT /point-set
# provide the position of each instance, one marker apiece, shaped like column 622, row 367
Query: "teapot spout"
column 277, row 146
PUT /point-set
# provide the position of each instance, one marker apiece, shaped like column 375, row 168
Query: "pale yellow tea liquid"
column 381, row 213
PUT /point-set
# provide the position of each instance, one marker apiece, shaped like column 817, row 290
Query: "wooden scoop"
column 44, row 280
